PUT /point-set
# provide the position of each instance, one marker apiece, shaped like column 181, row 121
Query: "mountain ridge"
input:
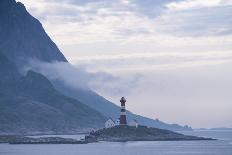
column 30, row 104
column 23, row 38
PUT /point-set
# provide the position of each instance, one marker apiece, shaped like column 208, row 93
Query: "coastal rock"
column 123, row 133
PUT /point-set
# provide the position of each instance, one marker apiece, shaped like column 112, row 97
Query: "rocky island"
column 120, row 133
column 123, row 133
column 12, row 139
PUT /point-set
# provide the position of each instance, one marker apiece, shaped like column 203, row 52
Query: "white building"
column 117, row 122
column 134, row 123
column 109, row 123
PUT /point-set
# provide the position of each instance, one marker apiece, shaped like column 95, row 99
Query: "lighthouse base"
column 123, row 120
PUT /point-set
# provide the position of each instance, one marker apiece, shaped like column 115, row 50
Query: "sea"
column 222, row 146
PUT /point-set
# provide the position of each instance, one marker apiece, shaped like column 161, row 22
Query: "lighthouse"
column 123, row 112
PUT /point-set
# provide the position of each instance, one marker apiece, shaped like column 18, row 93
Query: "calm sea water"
column 223, row 146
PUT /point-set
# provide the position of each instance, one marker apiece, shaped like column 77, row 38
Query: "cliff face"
column 23, row 37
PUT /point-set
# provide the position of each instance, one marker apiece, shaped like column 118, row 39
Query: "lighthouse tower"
column 123, row 112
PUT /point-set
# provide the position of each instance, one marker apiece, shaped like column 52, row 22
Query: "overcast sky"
column 172, row 58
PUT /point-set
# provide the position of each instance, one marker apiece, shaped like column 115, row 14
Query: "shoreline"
column 121, row 133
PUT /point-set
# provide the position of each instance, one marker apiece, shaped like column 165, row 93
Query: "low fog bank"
column 78, row 77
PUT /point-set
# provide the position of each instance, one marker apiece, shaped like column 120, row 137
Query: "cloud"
column 79, row 78
column 143, row 62
column 79, row 22
column 197, row 22
column 196, row 4
column 190, row 4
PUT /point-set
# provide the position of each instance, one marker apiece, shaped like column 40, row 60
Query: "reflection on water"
column 219, row 147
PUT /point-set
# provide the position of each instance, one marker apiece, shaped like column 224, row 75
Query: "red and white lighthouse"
column 123, row 112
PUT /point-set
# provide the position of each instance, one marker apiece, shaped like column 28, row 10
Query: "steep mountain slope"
column 31, row 104
column 22, row 36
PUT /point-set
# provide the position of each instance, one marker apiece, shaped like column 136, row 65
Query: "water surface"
column 223, row 146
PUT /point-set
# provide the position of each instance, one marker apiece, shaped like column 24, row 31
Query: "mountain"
column 23, row 37
column 30, row 104
column 110, row 109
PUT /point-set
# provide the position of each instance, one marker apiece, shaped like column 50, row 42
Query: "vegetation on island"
column 141, row 133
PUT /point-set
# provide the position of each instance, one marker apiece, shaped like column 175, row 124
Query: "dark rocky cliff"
column 23, row 37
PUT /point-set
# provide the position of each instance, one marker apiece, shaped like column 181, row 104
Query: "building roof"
column 110, row 119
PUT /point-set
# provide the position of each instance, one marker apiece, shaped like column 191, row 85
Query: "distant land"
column 219, row 129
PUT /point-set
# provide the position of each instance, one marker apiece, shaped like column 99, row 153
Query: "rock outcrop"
column 123, row 133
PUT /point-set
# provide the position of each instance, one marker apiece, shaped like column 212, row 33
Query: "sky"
column 171, row 59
